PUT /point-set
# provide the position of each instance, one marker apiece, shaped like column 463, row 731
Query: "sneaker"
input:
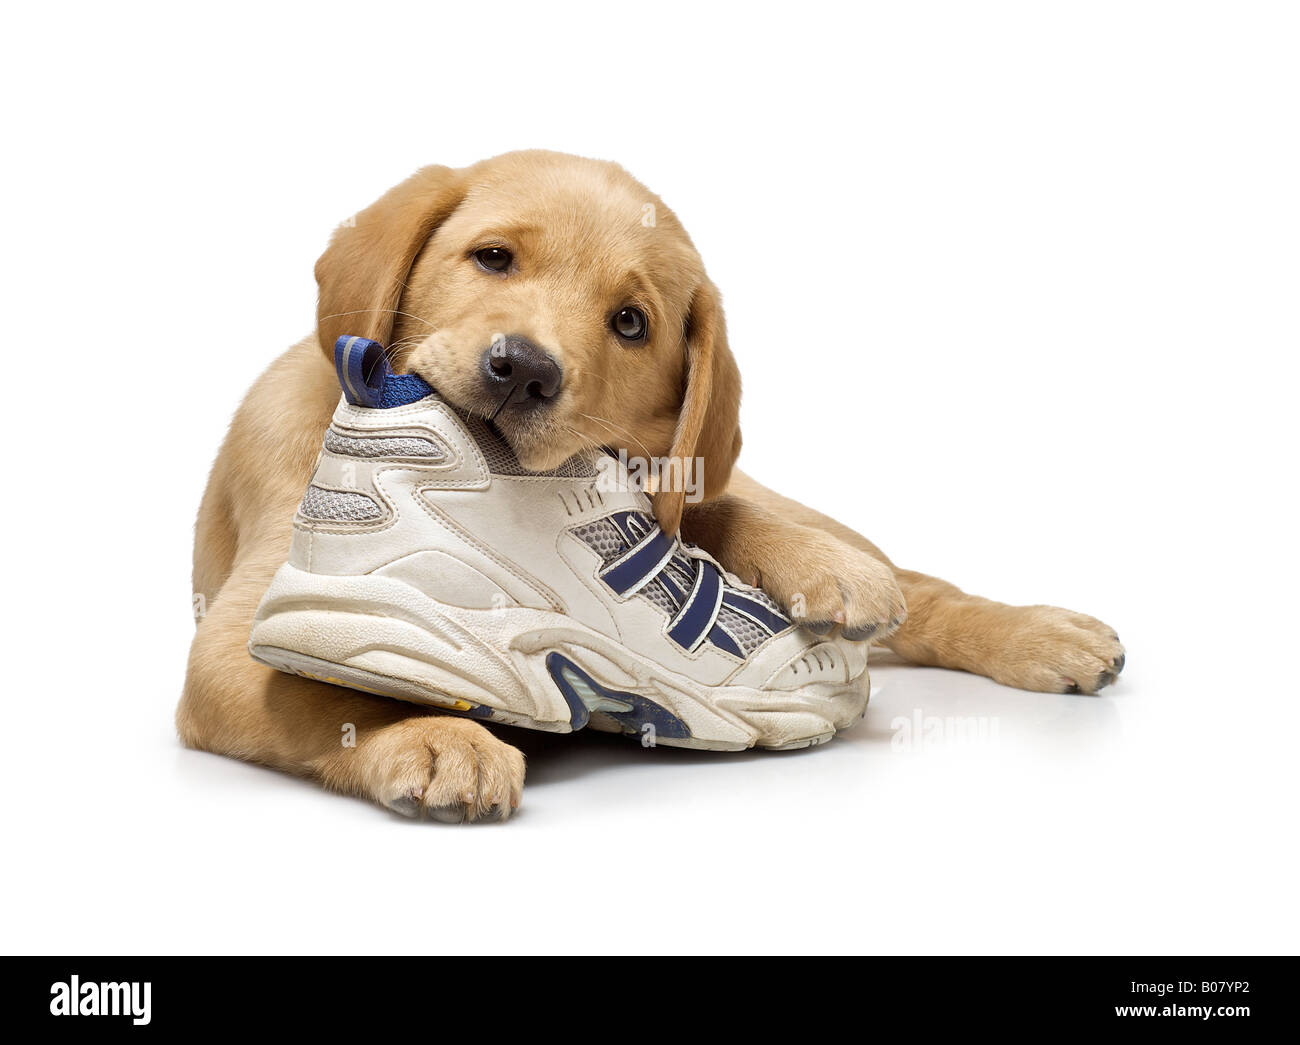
column 429, row 566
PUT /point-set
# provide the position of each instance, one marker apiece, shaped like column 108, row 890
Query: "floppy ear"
column 707, row 438
column 363, row 271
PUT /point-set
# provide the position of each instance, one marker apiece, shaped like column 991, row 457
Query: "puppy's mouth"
column 517, row 395
column 538, row 435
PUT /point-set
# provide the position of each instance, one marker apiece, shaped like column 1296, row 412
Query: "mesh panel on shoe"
column 501, row 460
column 384, row 446
column 339, row 506
column 603, row 538
column 748, row 635
column 654, row 594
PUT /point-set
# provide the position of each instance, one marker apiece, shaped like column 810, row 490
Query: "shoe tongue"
column 367, row 377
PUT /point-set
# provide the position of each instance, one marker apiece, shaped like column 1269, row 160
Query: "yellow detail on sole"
column 450, row 703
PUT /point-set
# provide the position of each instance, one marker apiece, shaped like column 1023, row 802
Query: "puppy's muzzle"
column 515, row 363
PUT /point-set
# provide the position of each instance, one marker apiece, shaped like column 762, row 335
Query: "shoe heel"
column 381, row 636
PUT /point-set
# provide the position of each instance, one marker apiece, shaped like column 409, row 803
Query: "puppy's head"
column 556, row 296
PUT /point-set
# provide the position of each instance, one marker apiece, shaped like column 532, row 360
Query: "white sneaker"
column 429, row 566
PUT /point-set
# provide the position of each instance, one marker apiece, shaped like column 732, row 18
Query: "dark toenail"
column 405, row 806
column 1119, row 664
column 819, row 627
column 448, row 814
column 1104, row 680
column 858, row 634
column 1073, row 687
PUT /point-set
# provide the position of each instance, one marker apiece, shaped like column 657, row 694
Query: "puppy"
column 554, row 250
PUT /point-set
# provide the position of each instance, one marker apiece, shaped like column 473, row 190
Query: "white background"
column 1014, row 291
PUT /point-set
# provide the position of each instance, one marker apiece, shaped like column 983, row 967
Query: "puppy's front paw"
column 823, row 582
column 1051, row 650
column 444, row 768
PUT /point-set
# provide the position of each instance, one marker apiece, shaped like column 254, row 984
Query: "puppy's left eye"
column 629, row 323
column 494, row 259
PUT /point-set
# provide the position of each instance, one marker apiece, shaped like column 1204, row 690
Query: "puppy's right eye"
column 629, row 323
column 494, row 259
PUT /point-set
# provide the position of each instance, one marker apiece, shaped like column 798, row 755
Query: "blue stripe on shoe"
column 696, row 617
column 633, row 712
column 756, row 612
column 724, row 641
column 671, row 586
column 351, row 355
column 635, row 568
column 623, row 520
column 579, row 713
column 636, row 528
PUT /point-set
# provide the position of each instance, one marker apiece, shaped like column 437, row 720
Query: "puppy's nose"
column 516, row 361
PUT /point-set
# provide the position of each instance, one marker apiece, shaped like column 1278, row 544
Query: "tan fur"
column 403, row 274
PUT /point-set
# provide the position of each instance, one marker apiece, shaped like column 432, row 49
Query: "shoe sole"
column 530, row 668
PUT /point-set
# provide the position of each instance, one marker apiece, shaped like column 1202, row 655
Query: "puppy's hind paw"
column 1052, row 650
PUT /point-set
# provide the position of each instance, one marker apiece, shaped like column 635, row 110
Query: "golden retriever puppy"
column 556, row 250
